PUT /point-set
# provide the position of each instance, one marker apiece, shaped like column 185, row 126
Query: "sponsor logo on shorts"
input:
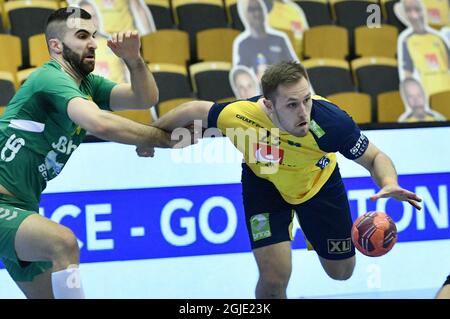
column 339, row 246
column 260, row 226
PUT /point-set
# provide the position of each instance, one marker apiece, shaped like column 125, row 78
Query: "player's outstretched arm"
column 111, row 127
column 383, row 172
column 184, row 115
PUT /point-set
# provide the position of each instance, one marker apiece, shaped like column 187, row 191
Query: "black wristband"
column 447, row 282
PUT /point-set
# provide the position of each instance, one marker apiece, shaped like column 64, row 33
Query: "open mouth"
column 90, row 57
column 301, row 124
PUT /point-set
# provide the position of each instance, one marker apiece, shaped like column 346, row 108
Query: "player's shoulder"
column 238, row 103
column 50, row 74
column 330, row 117
column 324, row 110
column 229, row 109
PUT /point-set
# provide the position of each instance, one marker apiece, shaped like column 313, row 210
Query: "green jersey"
column 37, row 136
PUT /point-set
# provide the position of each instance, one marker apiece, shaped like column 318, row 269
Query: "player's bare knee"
column 341, row 273
column 274, row 281
column 65, row 246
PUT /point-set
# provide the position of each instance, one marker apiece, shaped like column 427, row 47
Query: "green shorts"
column 10, row 219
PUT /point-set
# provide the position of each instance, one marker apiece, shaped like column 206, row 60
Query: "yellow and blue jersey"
column 297, row 166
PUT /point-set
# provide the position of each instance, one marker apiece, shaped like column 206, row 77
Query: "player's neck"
column 266, row 111
column 69, row 69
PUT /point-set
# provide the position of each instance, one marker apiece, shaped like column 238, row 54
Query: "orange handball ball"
column 374, row 234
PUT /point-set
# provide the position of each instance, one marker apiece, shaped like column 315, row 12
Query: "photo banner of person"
column 288, row 16
column 423, row 52
column 244, row 82
column 416, row 104
column 120, row 15
column 259, row 45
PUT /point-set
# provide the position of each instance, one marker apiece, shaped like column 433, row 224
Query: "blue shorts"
column 325, row 219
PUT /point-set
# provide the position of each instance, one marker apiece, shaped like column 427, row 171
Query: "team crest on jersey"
column 323, row 162
column 265, row 153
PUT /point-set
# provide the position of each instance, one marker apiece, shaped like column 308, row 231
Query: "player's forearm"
column 383, row 171
column 182, row 116
column 143, row 83
column 121, row 130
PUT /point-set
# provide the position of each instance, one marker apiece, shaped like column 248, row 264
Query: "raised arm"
column 383, row 172
column 143, row 92
column 111, row 127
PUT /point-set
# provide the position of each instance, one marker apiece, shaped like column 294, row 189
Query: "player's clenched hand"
column 185, row 136
column 125, row 45
column 145, row 151
column 398, row 193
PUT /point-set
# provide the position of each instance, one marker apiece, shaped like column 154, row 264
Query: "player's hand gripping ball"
column 374, row 234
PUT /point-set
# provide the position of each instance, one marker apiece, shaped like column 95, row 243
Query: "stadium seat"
column 7, row 87
column 389, row 107
column 233, row 15
column 28, row 18
column 376, row 41
column 351, row 14
column 11, row 58
column 317, row 12
column 329, row 76
column 440, row 102
column 216, row 44
column 166, row 106
column 388, row 9
column 140, row 116
column 357, row 105
column 172, row 81
column 194, row 16
column 2, row 26
column 161, row 13
column 38, row 50
column 375, row 75
column 166, row 46
column 326, row 41
column 210, row 80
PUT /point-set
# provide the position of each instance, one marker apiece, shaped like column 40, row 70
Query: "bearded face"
column 83, row 63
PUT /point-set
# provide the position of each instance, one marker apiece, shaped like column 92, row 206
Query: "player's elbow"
column 149, row 100
column 101, row 126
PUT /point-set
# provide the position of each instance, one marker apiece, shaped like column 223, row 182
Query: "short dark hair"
column 286, row 72
column 54, row 27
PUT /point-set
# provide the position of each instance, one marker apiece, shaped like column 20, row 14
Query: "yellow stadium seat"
column 11, row 51
column 389, row 107
column 357, row 105
column 38, row 50
column 440, row 102
column 376, row 41
column 140, row 116
column 326, row 41
column 216, row 44
column 166, row 46
column 168, row 105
